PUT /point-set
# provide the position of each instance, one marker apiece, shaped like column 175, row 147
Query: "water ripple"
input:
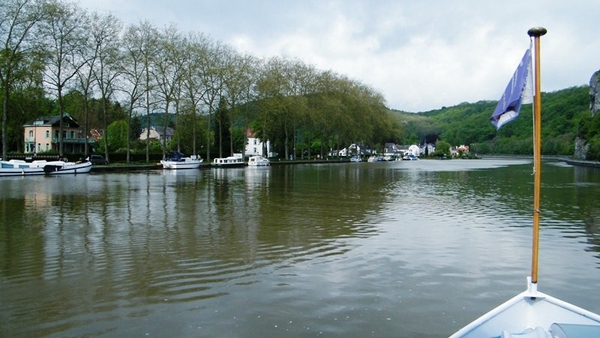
column 334, row 250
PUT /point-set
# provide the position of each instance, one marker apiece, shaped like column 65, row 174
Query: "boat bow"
column 532, row 312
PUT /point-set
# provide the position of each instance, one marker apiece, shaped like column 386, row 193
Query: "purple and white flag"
column 517, row 92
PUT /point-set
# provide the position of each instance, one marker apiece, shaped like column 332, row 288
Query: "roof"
column 161, row 130
column 52, row 121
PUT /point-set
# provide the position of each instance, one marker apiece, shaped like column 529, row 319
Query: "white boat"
column 531, row 313
column 43, row 167
column 355, row 159
column 534, row 314
column 374, row 158
column 231, row 161
column 177, row 160
column 258, row 161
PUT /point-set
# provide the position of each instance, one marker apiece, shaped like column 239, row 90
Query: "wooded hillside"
column 565, row 115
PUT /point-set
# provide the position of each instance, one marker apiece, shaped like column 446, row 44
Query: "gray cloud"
column 421, row 55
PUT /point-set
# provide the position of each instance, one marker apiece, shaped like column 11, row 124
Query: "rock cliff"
column 595, row 93
column 581, row 145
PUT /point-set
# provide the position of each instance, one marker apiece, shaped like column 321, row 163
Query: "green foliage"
column 222, row 129
column 155, row 146
column 117, row 137
column 565, row 115
column 190, row 129
column 442, row 149
column 411, row 139
column 238, row 139
column 593, row 153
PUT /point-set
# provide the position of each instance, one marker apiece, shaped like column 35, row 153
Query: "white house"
column 157, row 133
column 392, row 150
column 351, row 150
column 255, row 147
column 415, row 150
column 427, row 149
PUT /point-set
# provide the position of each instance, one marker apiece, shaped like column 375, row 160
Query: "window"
column 31, row 133
column 47, row 147
column 47, row 133
column 72, row 134
column 39, row 147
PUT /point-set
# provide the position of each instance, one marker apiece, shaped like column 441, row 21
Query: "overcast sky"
column 420, row 54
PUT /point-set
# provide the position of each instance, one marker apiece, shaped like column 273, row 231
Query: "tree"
column 105, row 32
column 17, row 21
column 196, row 49
column 64, row 42
column 168, row 72
column 442, row 148
column 290, row 103
column 233, row 82
column 245, row 81
column 273, row 88
column 132, row 80
column 27, row 102
column 142, row 46
column 211, row 70
column 86, row 85
column 116, row 135
column 222, row 128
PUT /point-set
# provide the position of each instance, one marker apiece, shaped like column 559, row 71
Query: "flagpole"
column 536, row 33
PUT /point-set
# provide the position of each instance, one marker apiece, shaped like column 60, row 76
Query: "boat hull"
column 22, row 168
column 229, row 165
column 181, row 165
column 258, row 161
column 529, row 311
column 177, row 160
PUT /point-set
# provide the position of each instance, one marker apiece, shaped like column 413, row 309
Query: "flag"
column 518, row 91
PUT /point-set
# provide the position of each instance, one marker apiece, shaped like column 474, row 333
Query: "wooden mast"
column 536, row 33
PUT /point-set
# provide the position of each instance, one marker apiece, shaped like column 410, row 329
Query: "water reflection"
column 360, row 249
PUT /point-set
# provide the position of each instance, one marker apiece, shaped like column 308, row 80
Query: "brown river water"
column 398, row 249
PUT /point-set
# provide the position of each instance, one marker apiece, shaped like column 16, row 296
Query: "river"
column 398, row 249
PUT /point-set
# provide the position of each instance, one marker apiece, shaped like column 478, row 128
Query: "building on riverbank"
column 42, row 135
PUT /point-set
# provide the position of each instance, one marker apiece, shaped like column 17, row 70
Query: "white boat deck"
column 534, row 314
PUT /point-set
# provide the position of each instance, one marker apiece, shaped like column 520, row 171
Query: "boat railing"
column 31, row 157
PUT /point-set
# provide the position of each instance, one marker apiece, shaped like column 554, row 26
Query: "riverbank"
column 579, row 163
column 590, row 164
column 118, row 167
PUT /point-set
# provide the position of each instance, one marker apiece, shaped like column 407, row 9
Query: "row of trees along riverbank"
column 59, row 58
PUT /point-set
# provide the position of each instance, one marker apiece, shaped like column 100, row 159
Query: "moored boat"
column 43, row 167
column 531, row 313
column 177, row 160
column 374, row 158
column 258, row 161
column 230, row 161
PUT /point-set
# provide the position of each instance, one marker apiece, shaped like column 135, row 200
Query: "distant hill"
column 156, row 120
column 468, row 123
